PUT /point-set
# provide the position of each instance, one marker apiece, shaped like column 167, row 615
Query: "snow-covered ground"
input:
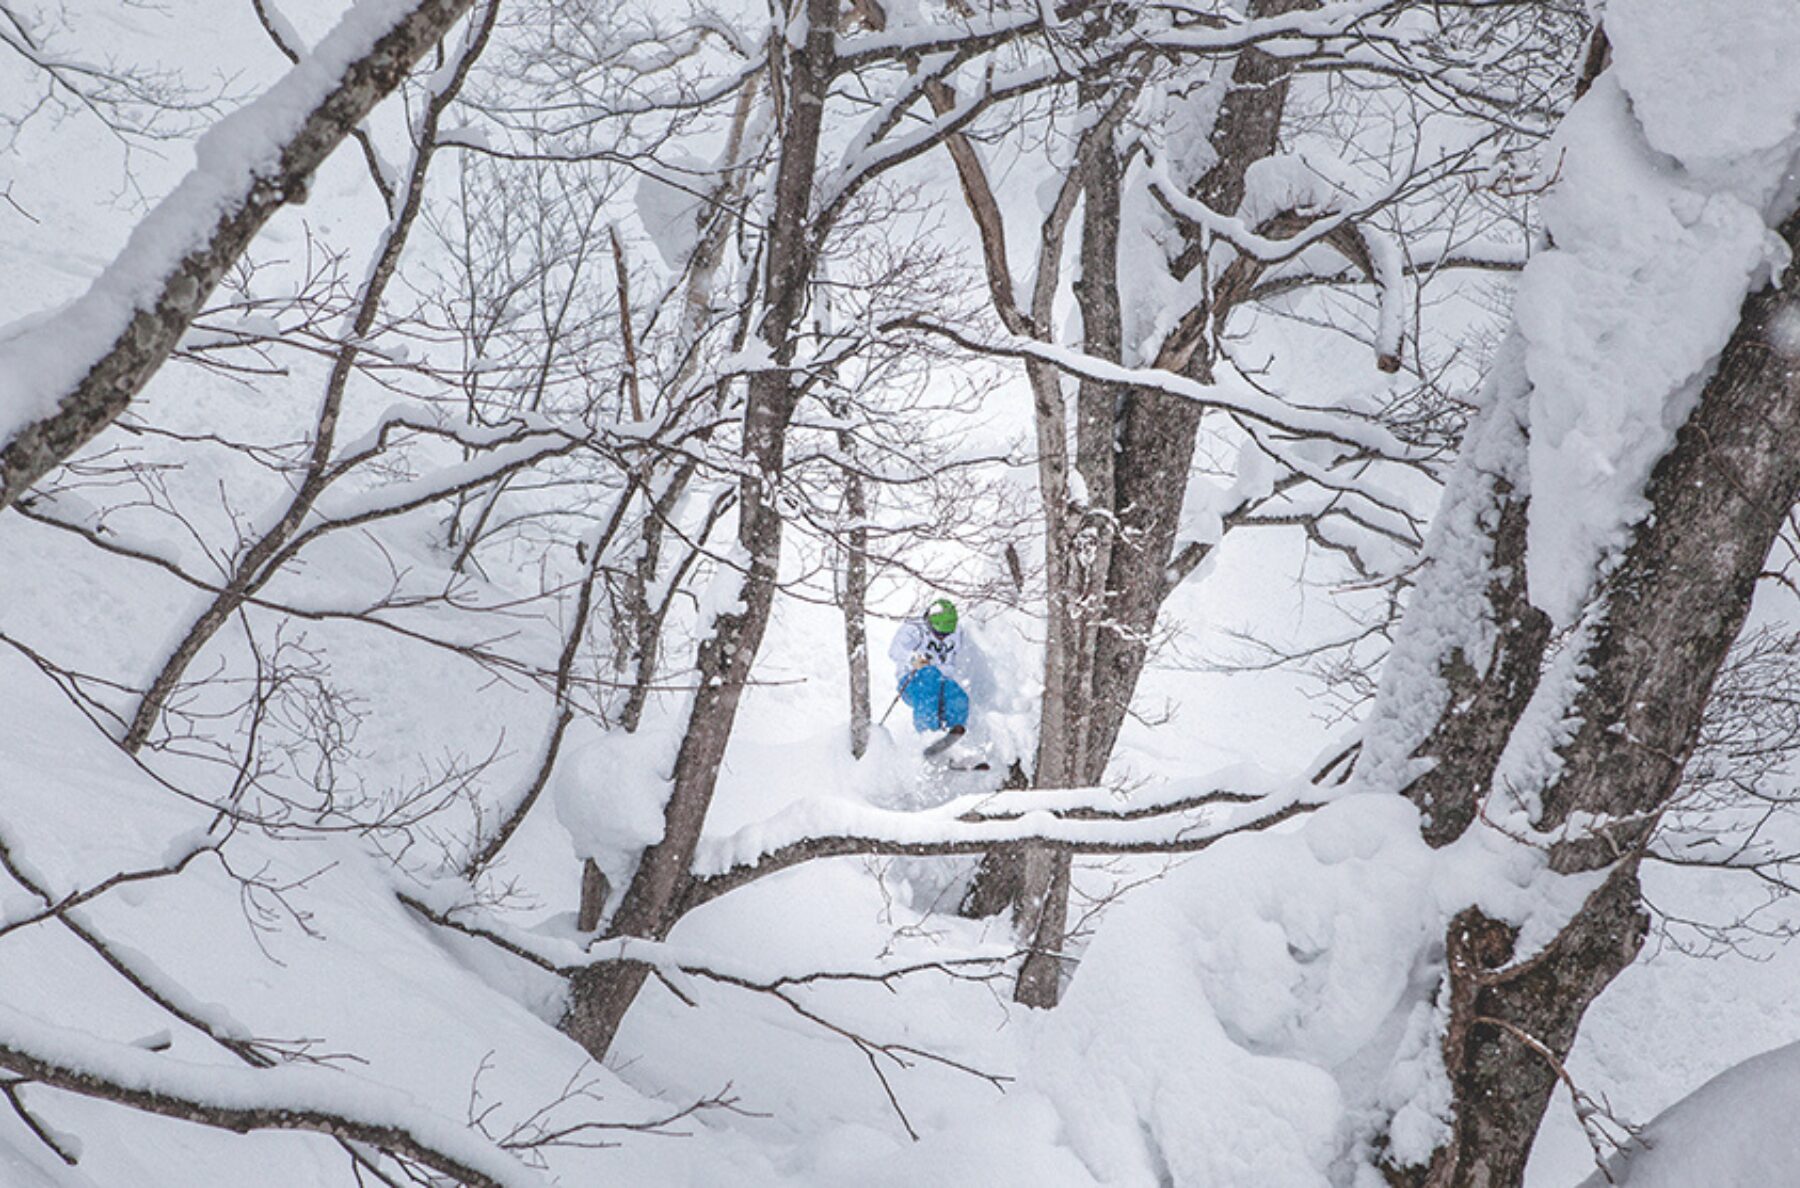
column 1230, row 1025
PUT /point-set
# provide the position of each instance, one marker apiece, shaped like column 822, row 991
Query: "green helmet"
column 941, row 615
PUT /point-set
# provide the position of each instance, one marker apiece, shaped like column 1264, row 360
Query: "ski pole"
column 898, row 694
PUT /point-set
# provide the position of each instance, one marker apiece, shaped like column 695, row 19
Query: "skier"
column 930, row 666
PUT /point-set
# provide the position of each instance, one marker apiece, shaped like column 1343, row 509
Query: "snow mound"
column 1255, row 1017
column 1735, row 1131
column 1198, row 1044
column 609, row 790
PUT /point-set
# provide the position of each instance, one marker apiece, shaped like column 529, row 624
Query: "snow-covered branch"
column 1229, row 393
column 243, row 1100
column 1081, row 823
column 564, row 956
column 71, row 374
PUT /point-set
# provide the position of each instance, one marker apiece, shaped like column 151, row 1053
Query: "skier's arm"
column 903, row 649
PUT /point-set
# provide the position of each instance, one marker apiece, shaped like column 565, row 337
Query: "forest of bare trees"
column 463, row 507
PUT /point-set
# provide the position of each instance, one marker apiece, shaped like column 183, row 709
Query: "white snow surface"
column 1252, row 1017
column 1239, row 1023
column 1667, row 177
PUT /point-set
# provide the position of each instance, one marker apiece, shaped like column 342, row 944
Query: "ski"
column 943, row 744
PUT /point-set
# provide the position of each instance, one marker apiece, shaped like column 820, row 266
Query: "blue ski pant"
column 938, row 702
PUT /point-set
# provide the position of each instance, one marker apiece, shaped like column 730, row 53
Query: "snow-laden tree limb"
column 677, row 966
column 1174, row 28
column 1079, row 821
column 242, row 1100
column 287, row 40
column 563, row 956
column 70, row 375
column 1228, row 393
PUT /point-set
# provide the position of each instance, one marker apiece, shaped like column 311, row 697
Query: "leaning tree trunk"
column 1674, row 606
column 600, row 995
column 143, row 344
column 263, row 558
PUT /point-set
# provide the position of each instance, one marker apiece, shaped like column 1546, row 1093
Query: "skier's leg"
column 956, row 704
column 922, row 695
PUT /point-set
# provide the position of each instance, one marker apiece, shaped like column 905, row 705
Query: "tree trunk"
column 653, row 901
column 1156, row 432
column 1674, row 605
column 594, row 892
column 854, row 599
column 1065, row 756
column 1133, row 451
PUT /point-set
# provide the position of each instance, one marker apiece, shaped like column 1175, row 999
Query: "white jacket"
column 944, row 652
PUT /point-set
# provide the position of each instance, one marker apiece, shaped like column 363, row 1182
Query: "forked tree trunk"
column 1110, row 559
column 1076, row 603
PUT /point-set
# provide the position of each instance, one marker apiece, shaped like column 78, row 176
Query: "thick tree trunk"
column 1112, row 555
column 1674, row 606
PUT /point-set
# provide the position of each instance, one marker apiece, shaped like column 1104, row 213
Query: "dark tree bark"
column 1113, row 556
column 1674, row 606
column 594, row 894
column 240, row 1117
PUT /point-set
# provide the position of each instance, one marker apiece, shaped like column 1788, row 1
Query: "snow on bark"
column 1449, row 615
column 1668, row 175
column 295, row 1098
column 827, row 824
column 1228, row 391
column 68, row 374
